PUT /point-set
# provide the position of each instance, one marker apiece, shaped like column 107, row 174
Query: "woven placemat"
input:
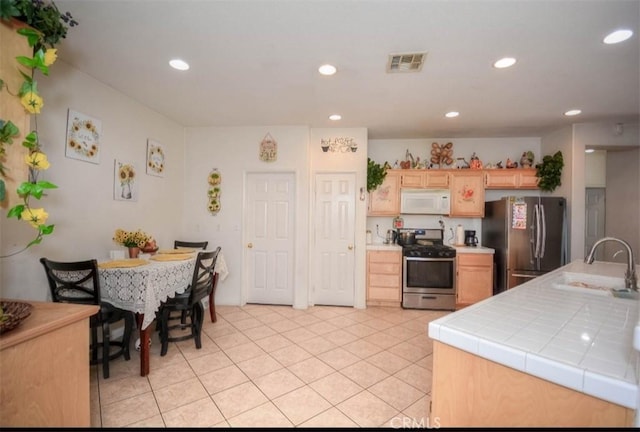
column 13, row 313
column 125, row 263
column 171, row 257
column 176, row 251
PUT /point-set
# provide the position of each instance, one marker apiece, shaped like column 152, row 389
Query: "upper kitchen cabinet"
column 519, row 178
column 431, row 179
column 385, row 200
column 467, row 193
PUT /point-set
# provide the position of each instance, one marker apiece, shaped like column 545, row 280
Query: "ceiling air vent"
column 406, row 62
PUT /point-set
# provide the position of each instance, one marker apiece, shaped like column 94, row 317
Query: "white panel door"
column 334, row 262
column 269, row 224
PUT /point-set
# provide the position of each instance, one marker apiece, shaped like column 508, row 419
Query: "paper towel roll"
column 459, row 235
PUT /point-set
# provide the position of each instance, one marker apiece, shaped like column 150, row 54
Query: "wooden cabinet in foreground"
column 474, row 278
column 517, row 178
column 471, row 391
column 384, row 278
column 467, row 193
column 385, row 200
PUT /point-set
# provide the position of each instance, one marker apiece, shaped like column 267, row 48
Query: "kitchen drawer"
column 384, row 257
column 474, row 259
column 384, row 268
column 384, row 294
column 380, row 280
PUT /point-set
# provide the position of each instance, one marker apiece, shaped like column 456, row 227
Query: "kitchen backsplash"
column 423, row 221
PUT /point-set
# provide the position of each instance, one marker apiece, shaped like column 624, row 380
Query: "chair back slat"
column 202, row 282
column 73, row 282
column 186, row 244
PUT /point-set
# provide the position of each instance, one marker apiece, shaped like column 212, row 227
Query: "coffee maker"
column 470, row 238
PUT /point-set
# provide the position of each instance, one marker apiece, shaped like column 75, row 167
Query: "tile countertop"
column 578, row 340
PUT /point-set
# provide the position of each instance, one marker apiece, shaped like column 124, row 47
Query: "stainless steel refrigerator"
column 529, row 235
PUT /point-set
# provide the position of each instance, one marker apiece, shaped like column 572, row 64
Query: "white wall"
column 489, row 150
column 623, row 202
column 82, row 208
column 234, row 152
column 595, row 169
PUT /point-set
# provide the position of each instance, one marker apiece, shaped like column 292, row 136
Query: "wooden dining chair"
column 202, row 245
column 78, row 282
column 189, row 302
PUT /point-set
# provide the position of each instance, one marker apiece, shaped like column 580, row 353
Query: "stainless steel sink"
column 625, row 293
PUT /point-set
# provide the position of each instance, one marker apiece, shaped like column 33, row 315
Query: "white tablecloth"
column 221, row 267
column 142, row 289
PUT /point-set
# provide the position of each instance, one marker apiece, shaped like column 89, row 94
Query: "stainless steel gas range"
column 428, row 270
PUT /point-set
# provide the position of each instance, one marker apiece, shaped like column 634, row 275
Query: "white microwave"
column 425, row 201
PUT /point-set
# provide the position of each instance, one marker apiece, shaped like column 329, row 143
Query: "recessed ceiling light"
column 589, row 150
column 179, row 64
column 335, row 117
column 617, row 36
column 327, row 69
column 572, row 112
column 504, row 62
column 452, row 114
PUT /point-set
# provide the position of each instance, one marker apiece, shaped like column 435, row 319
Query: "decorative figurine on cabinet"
column 526, row 161
column 476, row 163
column 511, row 164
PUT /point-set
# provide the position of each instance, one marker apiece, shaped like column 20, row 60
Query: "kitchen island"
column 539, row 355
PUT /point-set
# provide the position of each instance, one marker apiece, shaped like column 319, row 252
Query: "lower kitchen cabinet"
column 474, row 278
column 384, row 278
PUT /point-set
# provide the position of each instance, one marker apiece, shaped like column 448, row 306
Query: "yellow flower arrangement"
column 126, row 174
column 137, row 238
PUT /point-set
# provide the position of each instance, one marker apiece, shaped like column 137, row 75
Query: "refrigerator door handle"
column 536, row 213
column 544, row 231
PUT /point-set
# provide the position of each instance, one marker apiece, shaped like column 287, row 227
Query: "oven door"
column 428, row 275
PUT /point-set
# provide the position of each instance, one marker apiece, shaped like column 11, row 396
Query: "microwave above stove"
column 424, row 201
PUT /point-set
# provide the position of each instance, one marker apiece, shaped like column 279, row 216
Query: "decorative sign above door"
column 339, row 144
column 268, row 149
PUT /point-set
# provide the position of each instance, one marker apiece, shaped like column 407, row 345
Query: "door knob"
column 350, row 247
column 249, row 245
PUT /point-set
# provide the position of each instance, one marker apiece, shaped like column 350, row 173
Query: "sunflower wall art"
column 155, row 159
column 213, row 193
column 83, row 137
column 125, row 182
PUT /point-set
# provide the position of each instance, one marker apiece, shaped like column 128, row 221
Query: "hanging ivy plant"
column 375, row 174
column 549, row 172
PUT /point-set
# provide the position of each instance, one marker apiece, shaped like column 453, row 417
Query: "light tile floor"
column 274, row 366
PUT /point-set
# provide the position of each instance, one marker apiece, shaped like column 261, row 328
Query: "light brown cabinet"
column 471, row 391
column 467, row 193
column 384, row 278
column 385, row 200
column 425, row 179
column 474, row 278
column 44, row 368
column 518, row 178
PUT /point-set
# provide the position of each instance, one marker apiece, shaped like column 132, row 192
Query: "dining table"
column 141, row 286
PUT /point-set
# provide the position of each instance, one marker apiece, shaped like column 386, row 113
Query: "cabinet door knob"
column 249, row 245
column 350, row 247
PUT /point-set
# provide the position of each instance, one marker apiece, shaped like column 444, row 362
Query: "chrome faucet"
column 630, row 278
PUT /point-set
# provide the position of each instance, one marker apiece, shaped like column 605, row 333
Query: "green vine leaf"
column 33, row 36
column 3, row 190
column 16, row 211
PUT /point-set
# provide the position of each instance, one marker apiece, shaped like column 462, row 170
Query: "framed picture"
column 83, row 137
column 125, row 181
column 155, row 158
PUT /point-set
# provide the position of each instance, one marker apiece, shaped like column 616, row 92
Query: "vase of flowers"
column 134, row 240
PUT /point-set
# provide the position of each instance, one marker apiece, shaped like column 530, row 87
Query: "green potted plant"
column 549, row 172
column 375, row 174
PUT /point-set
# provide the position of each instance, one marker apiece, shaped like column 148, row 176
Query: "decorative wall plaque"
column 268, row 149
